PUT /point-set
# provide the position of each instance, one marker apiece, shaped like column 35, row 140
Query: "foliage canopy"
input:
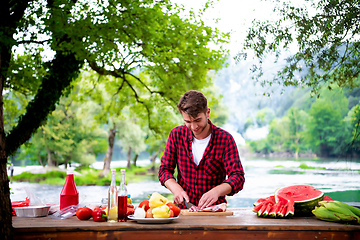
column 326, row 36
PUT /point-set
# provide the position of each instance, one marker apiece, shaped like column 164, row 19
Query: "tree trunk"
column 51, row 161
column 40, row 161
column 6, row 231
column 129, row 158
column 109, row 152
column 135, row 159
column 67, row 161
column 152, row 160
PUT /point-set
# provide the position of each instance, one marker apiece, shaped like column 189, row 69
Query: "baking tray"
column 32, row 211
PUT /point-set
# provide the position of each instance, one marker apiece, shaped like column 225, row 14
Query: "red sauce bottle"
column 122, row 199
column 69, row 194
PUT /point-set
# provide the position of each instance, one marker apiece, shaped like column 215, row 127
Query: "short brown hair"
column 193, row 102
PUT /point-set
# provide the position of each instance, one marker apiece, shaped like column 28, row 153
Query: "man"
column 206, row 157
column 11, row 168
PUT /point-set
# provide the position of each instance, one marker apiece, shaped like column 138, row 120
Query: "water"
column 340, row 179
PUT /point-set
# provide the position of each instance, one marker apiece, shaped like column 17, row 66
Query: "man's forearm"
column 177, row 190
column 223, row 189
column 173, row 186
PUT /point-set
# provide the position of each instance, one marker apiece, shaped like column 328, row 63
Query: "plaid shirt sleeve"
column 168, row 160
column 233, row 166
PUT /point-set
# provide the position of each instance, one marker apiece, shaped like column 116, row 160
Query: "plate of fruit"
column 155, row 210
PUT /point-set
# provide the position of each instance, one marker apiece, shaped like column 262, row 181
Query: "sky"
column 235, row 16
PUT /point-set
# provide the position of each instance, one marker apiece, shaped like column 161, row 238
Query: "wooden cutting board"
column 186, row 212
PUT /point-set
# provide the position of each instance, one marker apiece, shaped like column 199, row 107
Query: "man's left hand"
column 211, row 196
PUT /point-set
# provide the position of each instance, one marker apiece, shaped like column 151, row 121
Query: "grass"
column 285, row 171
column 282, row 170
column 304, row 166
column 88, row 177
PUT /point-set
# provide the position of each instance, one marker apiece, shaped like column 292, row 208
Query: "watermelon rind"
column 302, row 207
column 305, row 208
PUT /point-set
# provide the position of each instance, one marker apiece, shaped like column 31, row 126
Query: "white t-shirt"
column 198, row 148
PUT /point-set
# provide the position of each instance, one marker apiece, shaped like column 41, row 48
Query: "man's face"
column 198, row 125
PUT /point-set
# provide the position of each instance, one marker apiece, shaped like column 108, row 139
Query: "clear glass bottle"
column 112, row 210
column 122, row 199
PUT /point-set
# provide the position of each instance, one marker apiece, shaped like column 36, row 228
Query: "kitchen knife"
column 188, row 204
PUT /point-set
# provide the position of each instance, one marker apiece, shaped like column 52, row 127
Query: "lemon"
column 113, row 213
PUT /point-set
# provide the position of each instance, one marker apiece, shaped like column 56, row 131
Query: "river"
column 339, row 179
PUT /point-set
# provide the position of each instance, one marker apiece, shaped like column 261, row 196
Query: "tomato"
column 130, row 210
column 171, row 214
column 144, row 203
column 100, row 208
column 84, row 213
column 174, row 208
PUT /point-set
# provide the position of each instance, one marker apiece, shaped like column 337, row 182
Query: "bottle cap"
column 113, row 170
column 123, row 170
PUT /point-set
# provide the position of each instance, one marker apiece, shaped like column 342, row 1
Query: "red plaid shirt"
column 220, row 163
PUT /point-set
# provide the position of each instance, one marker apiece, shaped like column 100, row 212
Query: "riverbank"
column 84, row 177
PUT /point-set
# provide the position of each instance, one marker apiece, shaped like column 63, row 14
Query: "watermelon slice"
column 288, row 209
column 258, row 207
column 267, row 210
column 305, row 198
column 263, row 209
column 279, row 213
column 275, row 209
column 283, row 211
column 261, row 202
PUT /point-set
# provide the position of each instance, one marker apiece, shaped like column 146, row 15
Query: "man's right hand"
column 179, row 194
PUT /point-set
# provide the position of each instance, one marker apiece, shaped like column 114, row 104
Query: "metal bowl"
column 32, row 211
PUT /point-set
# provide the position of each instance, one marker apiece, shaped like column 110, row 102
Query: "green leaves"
column 327, row 44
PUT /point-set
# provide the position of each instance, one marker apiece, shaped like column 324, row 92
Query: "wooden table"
column 244, row 224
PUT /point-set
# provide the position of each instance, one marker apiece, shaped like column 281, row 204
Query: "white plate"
column 152, row 220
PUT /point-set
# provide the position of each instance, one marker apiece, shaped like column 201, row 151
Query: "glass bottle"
column 69, row 194
column 112, row 210
column 122, row 199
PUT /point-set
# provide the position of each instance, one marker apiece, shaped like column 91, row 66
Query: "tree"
column 132, row 138
column 325, row 126
column 355, row 122
column 264, row 116
column 69, row 135
column 326, row 33
column 113, row 38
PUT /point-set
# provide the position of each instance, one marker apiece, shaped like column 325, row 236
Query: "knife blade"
column 188, row 204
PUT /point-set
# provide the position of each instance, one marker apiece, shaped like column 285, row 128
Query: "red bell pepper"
column 99, row 215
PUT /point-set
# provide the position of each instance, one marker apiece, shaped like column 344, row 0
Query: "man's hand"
column 177, row 190
column 210, row 197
